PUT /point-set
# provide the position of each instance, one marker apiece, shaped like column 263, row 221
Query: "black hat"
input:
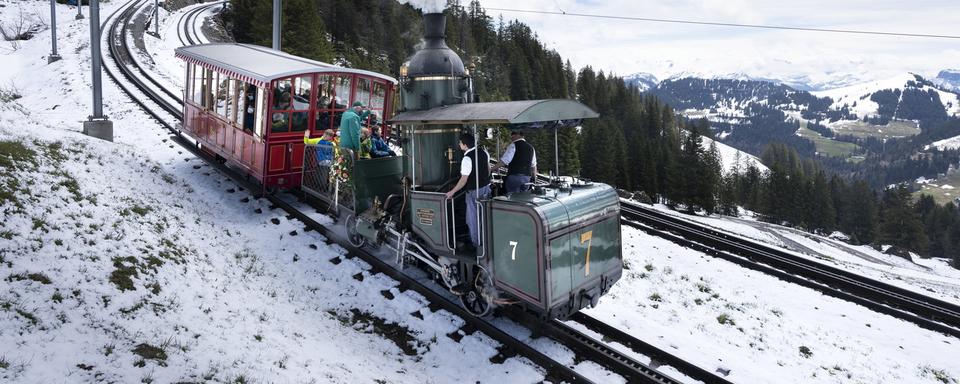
column 516, row 132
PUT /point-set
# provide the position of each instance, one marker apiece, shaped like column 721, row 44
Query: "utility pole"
column 97, row 125
column 53, row 31
column 79, row 14
column 276, row 24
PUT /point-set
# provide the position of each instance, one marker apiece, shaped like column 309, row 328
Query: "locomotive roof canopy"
column 526, row 112
column 260, row 64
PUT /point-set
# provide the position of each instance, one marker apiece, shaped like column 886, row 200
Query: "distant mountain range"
column 947, row 78
column 747, row 113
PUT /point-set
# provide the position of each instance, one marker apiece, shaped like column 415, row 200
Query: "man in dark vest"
column 470, row 178
column 521, row 162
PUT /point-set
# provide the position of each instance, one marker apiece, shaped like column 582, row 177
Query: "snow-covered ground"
column 933, row 277
column 133, row 261
column 761, row 329
column 732, row 158
column 855, row 96
column 946, row 144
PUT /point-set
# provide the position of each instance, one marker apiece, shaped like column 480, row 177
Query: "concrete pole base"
column 101, row 129
column 53, row 58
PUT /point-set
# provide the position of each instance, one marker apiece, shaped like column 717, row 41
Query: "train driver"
column 521, row 161
column 469, row 180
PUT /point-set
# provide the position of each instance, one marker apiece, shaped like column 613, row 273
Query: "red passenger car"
column 250, row 105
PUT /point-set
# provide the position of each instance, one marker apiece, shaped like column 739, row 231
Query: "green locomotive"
column 553, row 250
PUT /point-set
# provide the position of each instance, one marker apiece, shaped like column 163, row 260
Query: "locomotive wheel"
column 353, row 237
column 476, row 300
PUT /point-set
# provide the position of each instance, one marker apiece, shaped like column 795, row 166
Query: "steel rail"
column 631, row 369
column 925, row 311
column 129, row 57
column 644, row 348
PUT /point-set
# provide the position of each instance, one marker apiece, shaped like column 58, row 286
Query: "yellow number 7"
column 588, row 238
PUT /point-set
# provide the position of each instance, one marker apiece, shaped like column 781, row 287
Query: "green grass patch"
column 29, row 316
column 935, row 188
column 55, row 151
column 149, row 352
column 829, row 147
column 725, row 319
column 69, row 183
column 137, row 209
column 126, row 270
column 939, row 375
column 13, row 152
column 38, row 277
column 4, row 364
column 14, row 157
column 703, row 287
column 896, row 128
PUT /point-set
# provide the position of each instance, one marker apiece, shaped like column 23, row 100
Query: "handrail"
column 452, row 241
column 481, row 231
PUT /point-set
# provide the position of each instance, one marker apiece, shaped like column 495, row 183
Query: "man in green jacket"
column 350, row 127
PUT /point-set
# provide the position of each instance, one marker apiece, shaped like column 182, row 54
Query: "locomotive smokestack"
column 435, row 58
column 434, row 28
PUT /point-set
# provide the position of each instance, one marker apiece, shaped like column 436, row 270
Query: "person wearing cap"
column 350, row 127
column 521, row 161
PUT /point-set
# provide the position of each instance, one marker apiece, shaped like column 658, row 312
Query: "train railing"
column 326, row 174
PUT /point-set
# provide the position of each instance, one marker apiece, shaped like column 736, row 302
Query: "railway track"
column 143, row 84
column 925, row 311
column 187, row 25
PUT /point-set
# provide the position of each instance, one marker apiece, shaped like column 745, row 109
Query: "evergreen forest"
column 639, row 144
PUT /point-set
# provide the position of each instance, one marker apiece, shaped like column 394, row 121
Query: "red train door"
column 290, row 116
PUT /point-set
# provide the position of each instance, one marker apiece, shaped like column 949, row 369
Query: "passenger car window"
column 302, row 92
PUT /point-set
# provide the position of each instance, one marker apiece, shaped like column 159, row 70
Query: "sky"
column 625, row 47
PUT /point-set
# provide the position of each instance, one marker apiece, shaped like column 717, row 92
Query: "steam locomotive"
column 552, row 250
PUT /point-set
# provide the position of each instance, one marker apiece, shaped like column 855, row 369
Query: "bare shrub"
column 24, row 27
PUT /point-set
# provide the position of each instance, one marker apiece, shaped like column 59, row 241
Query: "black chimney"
column 435, row 58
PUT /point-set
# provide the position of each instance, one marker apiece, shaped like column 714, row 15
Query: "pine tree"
column 861, row 219
column 822, row 214
column 899, row 223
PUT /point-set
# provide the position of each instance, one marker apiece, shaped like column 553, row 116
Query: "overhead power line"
column 681, row 21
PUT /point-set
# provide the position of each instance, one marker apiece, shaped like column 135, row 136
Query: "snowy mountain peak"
column 948, row 79
column 641, row 80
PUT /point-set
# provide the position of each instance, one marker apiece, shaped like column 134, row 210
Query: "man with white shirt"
column 470, row 178
column 521, row 161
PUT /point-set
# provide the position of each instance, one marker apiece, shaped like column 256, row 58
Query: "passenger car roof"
column 259, row 65
column 525, row 112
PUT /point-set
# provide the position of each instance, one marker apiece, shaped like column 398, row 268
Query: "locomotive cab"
column 553, row 250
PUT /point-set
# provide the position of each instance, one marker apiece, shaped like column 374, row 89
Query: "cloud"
column 625, row 46
column 427, row 6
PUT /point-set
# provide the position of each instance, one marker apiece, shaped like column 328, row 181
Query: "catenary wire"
column 694, row 22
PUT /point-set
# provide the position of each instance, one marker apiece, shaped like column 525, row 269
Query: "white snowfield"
column 932, row 277
column 133, row 261
column 856, row 97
